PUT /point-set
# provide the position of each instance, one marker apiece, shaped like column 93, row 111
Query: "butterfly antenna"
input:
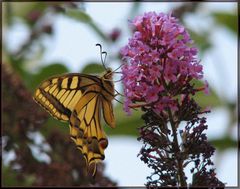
column 114, row 71
column 119, row 79
column 122, row 104
column 104, row 60
column 118, row 93
column 101, row 53
column 120, row 101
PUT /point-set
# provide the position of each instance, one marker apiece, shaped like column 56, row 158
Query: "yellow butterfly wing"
column 86, row 130
column 108, row 112
column 60, row 94
column 79, row 99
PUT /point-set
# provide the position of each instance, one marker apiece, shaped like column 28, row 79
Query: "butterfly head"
column 108, row 74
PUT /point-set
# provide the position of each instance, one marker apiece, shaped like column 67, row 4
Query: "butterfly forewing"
column 60, row 94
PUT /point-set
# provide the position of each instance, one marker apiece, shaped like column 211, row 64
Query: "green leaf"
column 53, row 69
column 46, row 72
column 53, row 125
column 6, row 14
column 133, row 11
column 93, row 68
column 224, row 143
column 125, row 125
column 18, row 66
column 228, row 20
column 78, row 15
column 9, row 177
column 100, row 33
column 200, row 40
column 22, row 10
column 212, row 100
column 29, row 180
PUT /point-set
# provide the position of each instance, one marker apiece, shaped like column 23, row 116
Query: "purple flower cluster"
column 159, row 62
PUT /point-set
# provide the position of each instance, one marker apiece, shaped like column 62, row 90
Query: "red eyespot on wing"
column 103, row 143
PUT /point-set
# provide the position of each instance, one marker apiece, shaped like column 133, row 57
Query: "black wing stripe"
column 54, row 90
column 94, row 78
column 59, row 83
column 69, row 82
column 77, row 125
column 83, row 88
column 72, row 98
column 93, row 118
column 68, row 75
column 94, row 158
column 63, row 97
column 95, row 125
column 93, row 112
column 78, row 82
column 69, row 92
column 55, row 102
column 110, row 86
column 104, row 97
column 89, row 100
column 95, row 108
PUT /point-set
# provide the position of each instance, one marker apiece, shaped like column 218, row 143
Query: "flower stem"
column 181, row 175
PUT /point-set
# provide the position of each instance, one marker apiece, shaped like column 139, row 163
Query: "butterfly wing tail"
column 86, row 130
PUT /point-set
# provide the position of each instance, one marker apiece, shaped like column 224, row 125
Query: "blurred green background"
column 29, row 56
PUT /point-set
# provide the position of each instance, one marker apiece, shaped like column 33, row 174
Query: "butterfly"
column 81, row 100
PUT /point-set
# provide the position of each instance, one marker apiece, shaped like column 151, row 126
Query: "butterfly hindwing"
column 86, row 130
